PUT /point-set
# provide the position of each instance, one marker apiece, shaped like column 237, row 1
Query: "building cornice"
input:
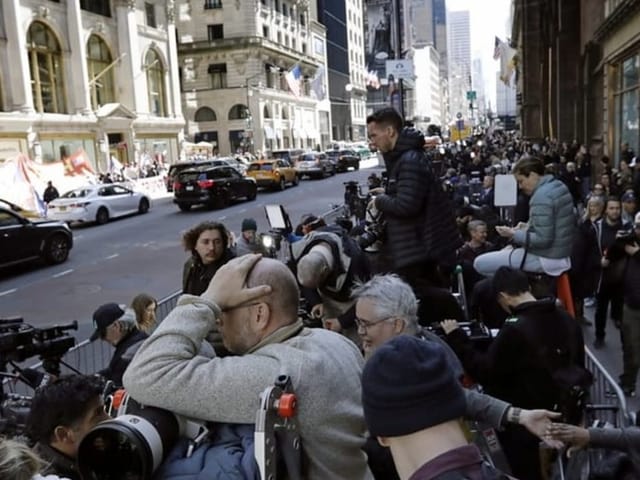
column 621, row 15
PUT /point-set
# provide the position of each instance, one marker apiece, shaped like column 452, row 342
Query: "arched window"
column 238, row 112
column 265, row 112
column 101, row 80
column 155, row 83
column 205, row 114
column 285, row 113
column 45, row 65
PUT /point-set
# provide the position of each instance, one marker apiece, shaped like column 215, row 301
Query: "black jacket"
column 404, row 204
column 57, row 463
column 514, row 368
column 632, row 282
column 196, row 276
column 122, row 356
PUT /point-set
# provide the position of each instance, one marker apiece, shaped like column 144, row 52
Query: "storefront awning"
column 268, row 133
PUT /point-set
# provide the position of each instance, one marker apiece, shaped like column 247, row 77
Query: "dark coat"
column 122, row 356
column 57, row 463
column 196, row 276
column 404, row 205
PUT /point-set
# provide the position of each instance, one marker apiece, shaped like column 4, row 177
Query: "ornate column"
column 18, row 83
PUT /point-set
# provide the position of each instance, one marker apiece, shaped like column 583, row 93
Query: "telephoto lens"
column 132, row 445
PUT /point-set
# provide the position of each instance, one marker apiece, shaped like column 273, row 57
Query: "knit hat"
column 407, row 386
column 628, row 197
column 249, row 224
column 314, row 267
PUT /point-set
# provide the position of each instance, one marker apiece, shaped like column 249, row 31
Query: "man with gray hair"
column 116, row 324
column 386, row 307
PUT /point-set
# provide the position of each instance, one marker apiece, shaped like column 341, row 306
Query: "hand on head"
column 228, row 287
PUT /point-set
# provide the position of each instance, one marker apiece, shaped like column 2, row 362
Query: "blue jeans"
column 487, row 263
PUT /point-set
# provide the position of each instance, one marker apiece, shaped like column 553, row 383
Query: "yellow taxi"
column 273, row 173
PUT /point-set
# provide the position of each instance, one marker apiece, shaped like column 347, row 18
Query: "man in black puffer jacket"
column 420, row 224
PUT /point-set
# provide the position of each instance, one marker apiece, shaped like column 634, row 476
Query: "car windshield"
column 333, row 153
column 308, row 158
column 77, row 193
column 347, row 152
column 260, row 166
column 189, row 176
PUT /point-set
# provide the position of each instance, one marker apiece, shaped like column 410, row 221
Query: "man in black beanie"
column 413, row 404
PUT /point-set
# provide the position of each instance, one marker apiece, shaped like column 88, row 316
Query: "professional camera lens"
column 129, row 447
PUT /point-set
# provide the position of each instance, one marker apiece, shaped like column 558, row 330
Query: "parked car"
column 22, row 239
column 176, row 168
column 315, row 164
column 273, row 173
column 97, row 203
column 212, row 186
column 19, row 210
column 347, row 159
column 291, row 155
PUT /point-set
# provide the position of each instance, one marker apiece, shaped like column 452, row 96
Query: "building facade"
column 428, row 87
column 83, row 83
column 252, row 75
column 505, row 103
column 589, row 85
column 357, row 72
column 459, row 58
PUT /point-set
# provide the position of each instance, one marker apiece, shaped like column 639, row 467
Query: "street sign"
column 471, row 95
column 400, row 69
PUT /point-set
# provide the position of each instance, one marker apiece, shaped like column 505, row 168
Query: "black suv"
column 345, row 159
column 214, row 187
column 176, row 168
column 22, row 240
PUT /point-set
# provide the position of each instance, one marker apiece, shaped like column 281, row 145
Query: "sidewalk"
column 611, row 354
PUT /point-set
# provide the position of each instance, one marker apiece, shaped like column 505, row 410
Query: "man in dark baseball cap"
column 116, row 324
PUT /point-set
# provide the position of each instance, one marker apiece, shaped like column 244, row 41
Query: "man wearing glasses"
column 253, row 303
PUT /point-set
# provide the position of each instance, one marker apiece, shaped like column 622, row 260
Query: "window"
column 303, row 20
column 150, row 14
column 215, row 32
column 238, row 112
column 627, row 102
column 218, row 75
column 155, row 83
column 279, row 36
column 101, row 7
column 101, row 83
column 205, row 114
column 265, row 112
column 284, row 9
column 304, row 48
column 45, row 64
column 276, row 5
column 265, row 31
column 211, row 4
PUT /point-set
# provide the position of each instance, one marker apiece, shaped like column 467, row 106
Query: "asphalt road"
column 142, row 253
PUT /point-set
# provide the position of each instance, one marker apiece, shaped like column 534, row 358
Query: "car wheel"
column 252, row 194
column 296, row 180
column 223, row 200
column 281, row 184
column 143, row 206
column 102, row 216
column 56, row 250
column 185, row 207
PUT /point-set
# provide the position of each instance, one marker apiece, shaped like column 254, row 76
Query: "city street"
column 142, row 253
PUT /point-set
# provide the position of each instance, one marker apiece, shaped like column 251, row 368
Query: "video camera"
column 478, row 333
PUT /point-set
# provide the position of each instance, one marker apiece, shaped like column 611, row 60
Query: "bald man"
column 253, row 302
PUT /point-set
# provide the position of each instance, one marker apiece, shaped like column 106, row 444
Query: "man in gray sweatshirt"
column 253, row 302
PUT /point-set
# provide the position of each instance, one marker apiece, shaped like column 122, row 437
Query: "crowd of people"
column 381, row 388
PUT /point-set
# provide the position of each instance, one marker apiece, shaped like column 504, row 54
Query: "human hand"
column 506, row 232
column 228, row 286
column 376, row 190
column 604, row 262
column 449, row 326
column 631, row 249
column 317, row 310
column 332, row 324
column 568, row 434
column 537, row 422
column 522, row 226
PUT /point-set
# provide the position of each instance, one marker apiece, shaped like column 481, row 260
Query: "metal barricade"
column 337, row 211
column 607, row 402
column 89, row 357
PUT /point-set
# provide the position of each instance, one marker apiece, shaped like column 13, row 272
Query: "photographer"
column 537, row 343
column 253, row 302
column 420, row 225
column 627, row 246
column 62, row 413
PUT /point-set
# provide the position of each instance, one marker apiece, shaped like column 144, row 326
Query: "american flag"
column 294, row 80
column 497, row 49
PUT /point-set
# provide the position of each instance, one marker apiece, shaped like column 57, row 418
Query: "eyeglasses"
column 367, row 324
column 242, row 305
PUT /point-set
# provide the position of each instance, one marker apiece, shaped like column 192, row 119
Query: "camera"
column 134, row 443
column 373, row 235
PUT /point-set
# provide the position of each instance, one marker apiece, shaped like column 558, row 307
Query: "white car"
column 97, row 203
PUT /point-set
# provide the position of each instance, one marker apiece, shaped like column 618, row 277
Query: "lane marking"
column 7, row 292
column 60, row 274
column 112, row 256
